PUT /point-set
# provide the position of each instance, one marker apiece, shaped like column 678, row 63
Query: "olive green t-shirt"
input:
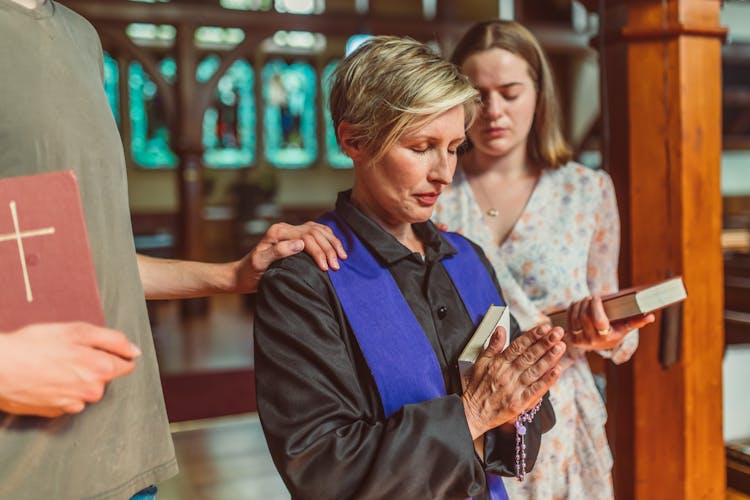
column 54, row 115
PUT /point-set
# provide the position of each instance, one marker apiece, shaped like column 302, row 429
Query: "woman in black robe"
column 357, row 380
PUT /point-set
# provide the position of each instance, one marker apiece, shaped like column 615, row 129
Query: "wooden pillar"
column 186, row 130
column 661, row 83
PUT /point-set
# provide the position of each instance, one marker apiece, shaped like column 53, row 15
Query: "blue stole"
column 398, row 353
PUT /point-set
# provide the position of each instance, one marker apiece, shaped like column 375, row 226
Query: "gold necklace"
column 490, row 212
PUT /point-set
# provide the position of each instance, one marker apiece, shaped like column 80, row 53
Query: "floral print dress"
column 563, row 247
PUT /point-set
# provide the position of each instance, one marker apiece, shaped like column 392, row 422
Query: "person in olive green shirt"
column 71, row 424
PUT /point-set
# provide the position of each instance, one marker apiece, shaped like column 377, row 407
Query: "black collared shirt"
column 319, row 405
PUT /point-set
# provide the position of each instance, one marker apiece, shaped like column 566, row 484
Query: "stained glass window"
column 429, row 9
column 150, row 134
column 336, row 158
column 355, row 41
column 362, row 6
column 111, row 85
column 214, row 37
column 290, row 138
column 246, row 4
column 152, row 35
column 300, row 6
column 229, row 121
column 298, row 40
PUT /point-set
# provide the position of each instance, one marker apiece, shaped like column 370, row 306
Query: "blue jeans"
column 145, row 494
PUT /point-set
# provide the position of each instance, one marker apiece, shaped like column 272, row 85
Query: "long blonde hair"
column 546, row 145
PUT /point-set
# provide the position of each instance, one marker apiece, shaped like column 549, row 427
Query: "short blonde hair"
column 390, row 85
column 546, row 145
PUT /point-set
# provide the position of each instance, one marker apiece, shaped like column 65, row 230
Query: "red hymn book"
column 46, row 270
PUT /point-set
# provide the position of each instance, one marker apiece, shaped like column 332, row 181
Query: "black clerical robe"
column 320, row 407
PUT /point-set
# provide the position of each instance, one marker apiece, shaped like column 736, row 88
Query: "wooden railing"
column 737, row 331
column 737, row 298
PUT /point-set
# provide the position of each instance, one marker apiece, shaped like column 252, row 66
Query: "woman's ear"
column 349, row 145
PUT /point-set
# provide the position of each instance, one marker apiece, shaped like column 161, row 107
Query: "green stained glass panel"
column 150, row 134
column 207, row 68
column 355, row 41
column 168, row 69
column 229, row 121
column 111, row 85
column 336, row 158
column 246, row 4
column 289, row 134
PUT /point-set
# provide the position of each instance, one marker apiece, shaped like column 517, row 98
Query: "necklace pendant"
column 492, row 212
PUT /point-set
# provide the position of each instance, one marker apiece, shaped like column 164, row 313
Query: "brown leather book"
column 634, row 301
column 46, row 270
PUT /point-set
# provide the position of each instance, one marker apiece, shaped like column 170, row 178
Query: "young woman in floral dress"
column 550, row 227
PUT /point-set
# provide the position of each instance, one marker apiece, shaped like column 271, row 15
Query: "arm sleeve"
column 601, row 272
column 322, row 416
column 500, row 443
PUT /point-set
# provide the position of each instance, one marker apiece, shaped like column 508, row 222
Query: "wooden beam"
column 554, row 37
column 557, row 38
column 736, row 142
column 662, row 83
column 186, row 141
column 737, row 97
column 332, row 24
column 736, row 327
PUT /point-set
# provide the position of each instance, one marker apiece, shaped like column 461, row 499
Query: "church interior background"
column 222, row 108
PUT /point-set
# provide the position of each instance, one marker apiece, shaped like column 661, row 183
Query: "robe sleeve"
column 321, row 413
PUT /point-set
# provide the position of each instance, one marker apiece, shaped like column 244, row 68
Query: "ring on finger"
column 606, row 331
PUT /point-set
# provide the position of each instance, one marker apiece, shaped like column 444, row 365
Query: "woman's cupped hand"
column 591, row 329
column 505, row 383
